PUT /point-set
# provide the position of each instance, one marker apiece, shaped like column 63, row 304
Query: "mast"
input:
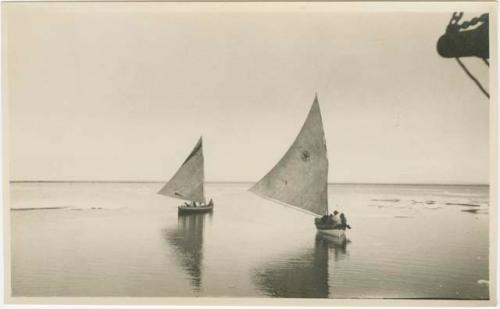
column 301, row 177
column 188, row 181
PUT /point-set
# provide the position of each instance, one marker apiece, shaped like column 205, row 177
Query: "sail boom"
column 287, row 205
column 182, row 198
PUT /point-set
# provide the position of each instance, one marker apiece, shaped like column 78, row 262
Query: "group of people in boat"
column 192, row 204
column 195, row 204
column 336, row 220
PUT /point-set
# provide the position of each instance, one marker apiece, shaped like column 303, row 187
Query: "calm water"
column 115, row 239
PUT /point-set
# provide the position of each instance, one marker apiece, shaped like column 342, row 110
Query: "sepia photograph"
column 313, row 153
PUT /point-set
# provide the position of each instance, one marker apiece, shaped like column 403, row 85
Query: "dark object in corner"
column 466, row 43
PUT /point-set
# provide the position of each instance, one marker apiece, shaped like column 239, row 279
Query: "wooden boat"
column 300, row 178
column 188, row 183
column 189, row 209
column 328, row 229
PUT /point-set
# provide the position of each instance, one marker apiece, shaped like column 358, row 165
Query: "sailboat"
column 188, row 183
column 300, row 178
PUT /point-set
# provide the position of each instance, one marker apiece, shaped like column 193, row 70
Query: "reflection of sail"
column 187, row 241
column 303, row 275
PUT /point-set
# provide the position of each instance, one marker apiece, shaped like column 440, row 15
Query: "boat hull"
column 195, row 210
column 329, row 229
column 332, row 232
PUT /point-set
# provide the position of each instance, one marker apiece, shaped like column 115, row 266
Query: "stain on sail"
column 301, row 177
column 187, row 183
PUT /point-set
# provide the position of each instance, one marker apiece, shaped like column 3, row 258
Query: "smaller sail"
column 187, row 183
column 300, row 178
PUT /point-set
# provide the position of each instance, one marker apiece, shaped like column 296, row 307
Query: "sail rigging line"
column 473, row 41
column 454, row 26
column 302, row 210
column 473, row 77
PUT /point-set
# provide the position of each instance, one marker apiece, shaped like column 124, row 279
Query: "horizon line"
column 249, row 182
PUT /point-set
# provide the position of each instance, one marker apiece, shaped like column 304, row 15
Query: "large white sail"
column 301, row 177
column 187, row 183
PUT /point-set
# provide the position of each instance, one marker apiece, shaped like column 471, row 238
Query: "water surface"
column 122, row 239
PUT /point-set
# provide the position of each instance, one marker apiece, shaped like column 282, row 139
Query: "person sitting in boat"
column 343, row 222
column 327, row 219
column 323, row 219
column 331, row 219
column 335, row 219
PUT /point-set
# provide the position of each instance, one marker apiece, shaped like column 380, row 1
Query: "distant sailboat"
column 188, row 183
column 300, row 178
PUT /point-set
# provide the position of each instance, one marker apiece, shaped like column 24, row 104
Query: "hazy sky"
column 122, row 91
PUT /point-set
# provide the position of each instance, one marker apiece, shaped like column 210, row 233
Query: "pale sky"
column 122, row 91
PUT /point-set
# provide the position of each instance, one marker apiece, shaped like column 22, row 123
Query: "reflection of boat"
column 188, row 183
column 300, row 178
column 339, row 245
column 304, row 274
column 187, row 241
